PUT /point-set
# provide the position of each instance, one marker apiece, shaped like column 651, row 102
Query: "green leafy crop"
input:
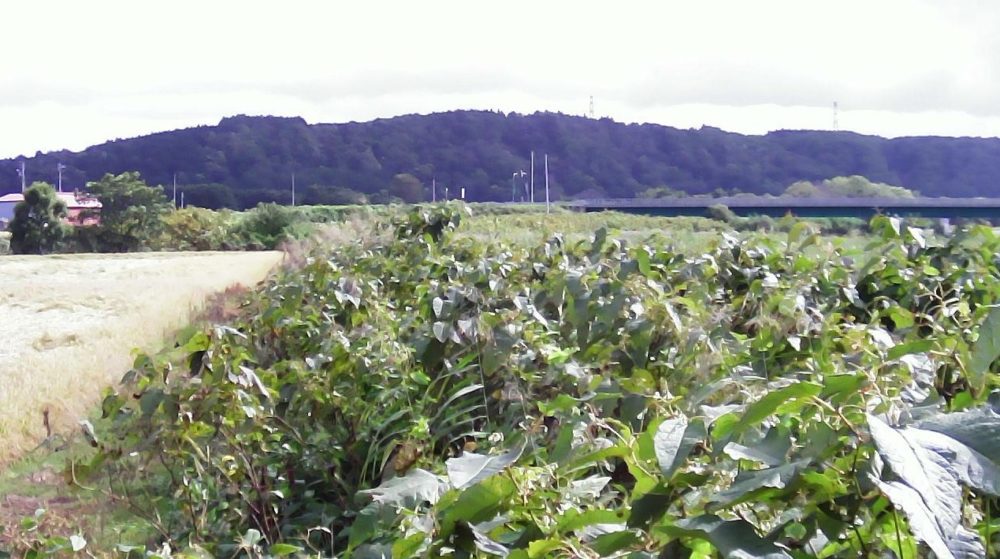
column 423, row 394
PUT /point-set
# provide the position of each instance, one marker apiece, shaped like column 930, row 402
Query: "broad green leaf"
column 800, row 229
column 283, row 549
column 600, row 238
column 767, row 405
column 486, row 545
column 930, row 468
column 542, row 548
column 642, row 260
column 673, row 441
column 251, row 538
column 958, row 544
column 772, row 450
column 471, row 468
column 442, row 331
column 373, row 551
column 573, row 520
column 409, row 546
column 150, row 400
column 408, row 491
column 985, row 351
column 607, row 544
column 480, row 502
column 748, row 481
column 977, row 428
column 734, row 539
column 917, row 346
column 649, row 508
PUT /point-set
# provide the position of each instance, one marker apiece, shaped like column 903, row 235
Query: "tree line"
column 136, row 217
column 245, row 160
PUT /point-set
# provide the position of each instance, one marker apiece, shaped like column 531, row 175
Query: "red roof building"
column 81, row 209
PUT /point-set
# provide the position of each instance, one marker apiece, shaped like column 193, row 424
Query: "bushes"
column 262, row 228
column 767, row 224
column 267, row 226
column 197, row 229
column 722, row 213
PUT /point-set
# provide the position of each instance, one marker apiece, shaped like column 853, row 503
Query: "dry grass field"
column 69, row 326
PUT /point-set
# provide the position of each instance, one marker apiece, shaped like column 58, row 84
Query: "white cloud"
column 78, row 73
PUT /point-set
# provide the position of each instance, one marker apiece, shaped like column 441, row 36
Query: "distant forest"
column 245, row 160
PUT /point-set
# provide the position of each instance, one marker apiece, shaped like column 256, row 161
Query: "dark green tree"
column 37, row 225
column 407, row 188
column 265, row 226
column 131, row 211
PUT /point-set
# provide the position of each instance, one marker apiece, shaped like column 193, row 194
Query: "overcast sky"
column 75, row 73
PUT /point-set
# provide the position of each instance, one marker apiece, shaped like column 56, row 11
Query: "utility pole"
column 547, row 210
column 182, row 200
column 59, row 170
column 293, row 189
column 434, row 190
column 532, row 176
column 20, row 173
column 513, row 189
column 175, row 191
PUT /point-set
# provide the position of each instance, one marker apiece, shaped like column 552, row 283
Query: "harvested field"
column 69, row 326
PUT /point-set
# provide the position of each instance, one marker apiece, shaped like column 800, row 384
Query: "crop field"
column 570, row 386
column 69, row 324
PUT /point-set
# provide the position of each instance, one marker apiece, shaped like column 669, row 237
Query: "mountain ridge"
column 244, row 159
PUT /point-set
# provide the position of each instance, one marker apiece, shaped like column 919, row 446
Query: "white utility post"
column 59, row 170
column 547, row 183
column 20, row 173
column 434, row 190
column 532, row 196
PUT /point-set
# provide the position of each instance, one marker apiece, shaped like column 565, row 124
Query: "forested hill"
column 244, row 160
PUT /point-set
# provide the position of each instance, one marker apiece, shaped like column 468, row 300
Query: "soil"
column 66, row 512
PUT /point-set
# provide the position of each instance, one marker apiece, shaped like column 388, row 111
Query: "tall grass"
column 689, row 233
column 69, row 324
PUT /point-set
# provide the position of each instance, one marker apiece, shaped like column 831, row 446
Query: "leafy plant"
column 427, row 394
